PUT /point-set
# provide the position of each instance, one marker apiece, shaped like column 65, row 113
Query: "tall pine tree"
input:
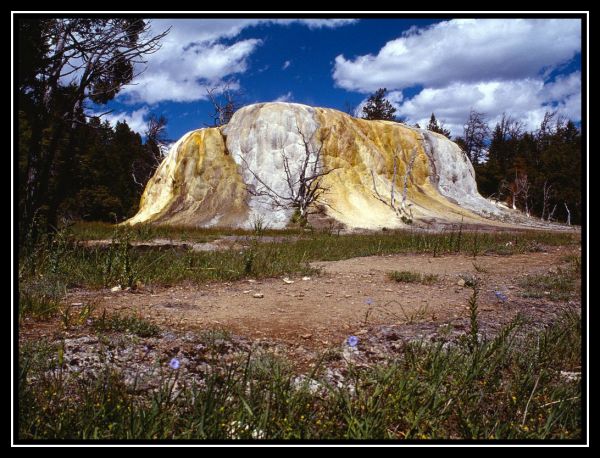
column 378, row 107
column 434, row 126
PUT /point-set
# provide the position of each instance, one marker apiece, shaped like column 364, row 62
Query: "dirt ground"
column 348, row 297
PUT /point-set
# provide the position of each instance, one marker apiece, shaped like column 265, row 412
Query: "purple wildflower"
column 352, row 341
column 500, row 296
column 174, row 363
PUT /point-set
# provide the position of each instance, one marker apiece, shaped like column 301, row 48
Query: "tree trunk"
column 568, row 215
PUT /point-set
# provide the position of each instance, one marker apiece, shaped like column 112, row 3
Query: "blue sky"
column 521, row 67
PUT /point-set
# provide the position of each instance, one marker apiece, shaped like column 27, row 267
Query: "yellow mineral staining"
column 360, row 189
column 200, row 184
column 197, row 185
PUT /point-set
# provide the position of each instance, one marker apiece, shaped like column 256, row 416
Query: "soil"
column 308, row 320
column 353, row 296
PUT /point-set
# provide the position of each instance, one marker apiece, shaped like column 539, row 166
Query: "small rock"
column 76, row 304
column 258, row 295
column 115, row 289
column 247, row 291
column 570, row 376
column 389, row 290
column 287, row 281
column 347, row 296
column 461, row 282
column 305, row 278
column 251, row 280
column 306, row 336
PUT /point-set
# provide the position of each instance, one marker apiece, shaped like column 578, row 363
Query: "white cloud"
column 317, row 23
column 285, row 97
column 467, row 50
column 286, row 64
column 136, row 120
column 526, row 100
column 193, row 57
column 182, row 71
column 490, row 65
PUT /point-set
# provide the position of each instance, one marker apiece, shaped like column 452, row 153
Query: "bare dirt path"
column 345, row 298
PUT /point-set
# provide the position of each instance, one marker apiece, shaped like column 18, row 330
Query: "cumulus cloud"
column 467, row 50
column 194, row 57
column 182, row 72
column 526, row 100
column 490, row 65
column 286, row 64
column 136, row 120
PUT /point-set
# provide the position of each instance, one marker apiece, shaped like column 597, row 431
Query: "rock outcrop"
column 381, row 173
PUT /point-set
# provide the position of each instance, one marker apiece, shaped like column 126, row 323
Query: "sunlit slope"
column 197, row 184
column 383, row 174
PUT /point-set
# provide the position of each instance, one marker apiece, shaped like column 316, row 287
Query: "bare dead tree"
column 154, row 150
column 403, row 210
column 551, row 214
column 522, row 188
column 508, row 128
column 304, row 185
column 568, row 214
column 407, row 175
column 475, row 134
column 97, row 56
column 224, row 103
column 88, row 59
column 546, row 195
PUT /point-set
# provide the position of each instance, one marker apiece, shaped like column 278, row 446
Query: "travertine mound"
column 383, row 174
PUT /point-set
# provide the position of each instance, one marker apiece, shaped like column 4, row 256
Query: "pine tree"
column 434, row 126
column 378, row 107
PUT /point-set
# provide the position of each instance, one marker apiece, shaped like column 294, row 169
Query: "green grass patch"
column 412, row 277
column 125, row 323
column 510, row 387
column 144, row 232
column 560, row 285
column 123, row 264
column 41, row 299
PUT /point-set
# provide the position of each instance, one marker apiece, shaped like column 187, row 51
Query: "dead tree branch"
column 304, row 186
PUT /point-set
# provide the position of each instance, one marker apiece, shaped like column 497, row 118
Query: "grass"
column 560, row 285
column 144, row 232
column 121, row 264
column 125, row 323
column 40, row 300
column 412, row 277
column 506, row 387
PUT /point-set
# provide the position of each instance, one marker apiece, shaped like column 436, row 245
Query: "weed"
column 122, row 264
column 125, row 323
column 40, row 299
column 473, row 337
column 412, row 277
column 509, row 387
